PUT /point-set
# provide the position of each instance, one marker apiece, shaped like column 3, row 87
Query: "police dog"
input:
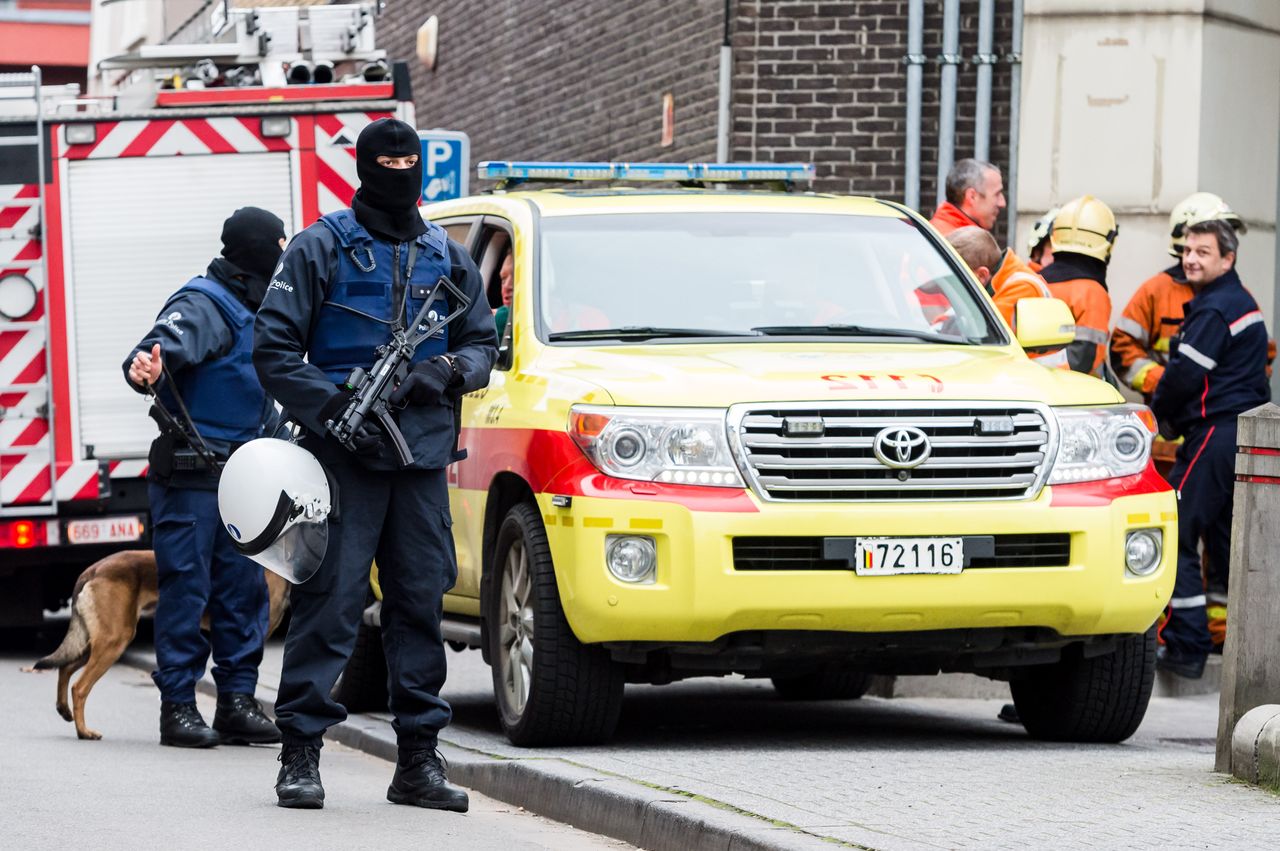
column 109, row 598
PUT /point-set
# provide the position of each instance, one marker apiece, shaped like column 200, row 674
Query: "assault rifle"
column 371, row 389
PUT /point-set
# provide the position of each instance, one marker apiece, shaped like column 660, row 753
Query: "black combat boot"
column 298, row 784
column 239, row 721
column 1189, row 665
column 419, row 780
column 182, row 727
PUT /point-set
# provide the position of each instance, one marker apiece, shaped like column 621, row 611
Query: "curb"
column 1255, row 746
column 597, row 802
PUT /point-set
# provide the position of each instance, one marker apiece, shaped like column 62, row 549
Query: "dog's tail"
column 73, row 647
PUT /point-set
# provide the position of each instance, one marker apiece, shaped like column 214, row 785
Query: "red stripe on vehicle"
column 32, row 434
column 9, row 340
column 80, row 152
column 550, row 462
column 35, row 489
column 212, row 139
column 334, row 182
column 28, row 190
column 309, row 191
column 330, row 124
column 9, row 216
column 30, row 251
column 32, row 372
column 1104, row 492
column 55, row 293
column 147, row 139
column 275, row 144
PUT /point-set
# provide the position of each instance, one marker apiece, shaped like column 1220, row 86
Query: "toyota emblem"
column 901, row 447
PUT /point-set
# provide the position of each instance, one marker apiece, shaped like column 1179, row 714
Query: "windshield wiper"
column 854, row 331
column 643, row 332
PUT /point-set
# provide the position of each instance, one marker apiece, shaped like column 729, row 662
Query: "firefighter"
column 975, row 196
column 1083, row 234
column 196, row 359
column 344, row 283
column 1216, row 371
column 1039, row 251
column 1141, row 338
column 1006, row 277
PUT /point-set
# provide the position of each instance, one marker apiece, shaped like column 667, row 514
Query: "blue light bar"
column 704, row 172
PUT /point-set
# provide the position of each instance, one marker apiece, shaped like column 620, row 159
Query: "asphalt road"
column 126, row 791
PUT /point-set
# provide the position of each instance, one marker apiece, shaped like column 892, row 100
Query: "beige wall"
column 1142, row 102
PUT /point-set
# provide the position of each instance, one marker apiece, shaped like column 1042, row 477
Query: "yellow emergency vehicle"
column 785, row 435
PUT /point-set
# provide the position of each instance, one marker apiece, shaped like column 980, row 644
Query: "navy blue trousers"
column 1204, row 474
column 199, row 569
column 402, row 518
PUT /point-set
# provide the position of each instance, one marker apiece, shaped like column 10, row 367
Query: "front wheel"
column 1102, row 699
column 549, row 687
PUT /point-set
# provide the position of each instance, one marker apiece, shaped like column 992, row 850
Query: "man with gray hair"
column 975, row 196
column 1217, row 371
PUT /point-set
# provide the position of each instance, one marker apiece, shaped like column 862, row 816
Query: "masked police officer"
column 197, row 358
column 342, row 286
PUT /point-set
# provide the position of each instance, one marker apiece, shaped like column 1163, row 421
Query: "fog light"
column 631, row 558
column 1142, row 551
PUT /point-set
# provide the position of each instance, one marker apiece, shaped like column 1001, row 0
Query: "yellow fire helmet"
column 1199, row 207
column 1085, row 226
column 1040, row 230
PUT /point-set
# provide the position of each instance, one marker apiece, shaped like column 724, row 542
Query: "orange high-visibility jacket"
column 949, row 217
column 1140, row 341
column 1090, row 304
column 1016, row 280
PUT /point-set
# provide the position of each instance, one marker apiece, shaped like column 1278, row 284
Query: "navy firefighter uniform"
column 344, row 284
column 1216, row 373
column 205, row 339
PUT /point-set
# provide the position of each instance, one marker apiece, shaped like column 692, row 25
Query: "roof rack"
column 510, row 174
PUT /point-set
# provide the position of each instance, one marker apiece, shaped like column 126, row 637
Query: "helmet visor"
column 296, row 555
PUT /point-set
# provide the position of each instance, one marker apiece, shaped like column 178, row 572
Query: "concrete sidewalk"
column 724, row 764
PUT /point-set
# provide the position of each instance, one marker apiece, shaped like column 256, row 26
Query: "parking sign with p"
column 446, row 161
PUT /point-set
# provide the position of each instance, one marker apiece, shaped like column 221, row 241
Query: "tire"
column 550, row 689
column 363, row 684
column 1102, row 699
column 826, row 684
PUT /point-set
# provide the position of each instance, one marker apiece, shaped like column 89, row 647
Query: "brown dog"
column 109, row 598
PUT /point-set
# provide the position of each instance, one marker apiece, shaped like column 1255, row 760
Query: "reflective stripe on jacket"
column 1141, row 338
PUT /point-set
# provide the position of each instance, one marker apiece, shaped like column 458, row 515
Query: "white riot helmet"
column 275, row 503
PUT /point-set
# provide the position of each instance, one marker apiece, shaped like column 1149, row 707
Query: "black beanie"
column 251, row 241
column 391, row 190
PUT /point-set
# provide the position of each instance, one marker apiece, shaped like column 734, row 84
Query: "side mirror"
column 1044, row 324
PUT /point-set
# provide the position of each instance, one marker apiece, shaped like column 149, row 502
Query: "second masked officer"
column 196, row 357
column 342, row 286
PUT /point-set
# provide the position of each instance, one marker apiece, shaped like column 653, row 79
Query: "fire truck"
column 108, row 205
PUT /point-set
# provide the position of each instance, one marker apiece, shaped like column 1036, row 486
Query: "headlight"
column 1102, row 443
column 680, row 445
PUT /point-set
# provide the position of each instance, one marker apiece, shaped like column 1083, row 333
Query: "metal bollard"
column 1251, row 656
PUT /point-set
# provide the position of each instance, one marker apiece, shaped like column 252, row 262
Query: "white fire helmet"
column 275, row 503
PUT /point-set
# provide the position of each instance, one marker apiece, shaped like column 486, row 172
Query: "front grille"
column 840, row 465
column 780, row 552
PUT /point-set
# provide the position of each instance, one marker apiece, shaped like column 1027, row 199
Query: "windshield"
column 714, row 274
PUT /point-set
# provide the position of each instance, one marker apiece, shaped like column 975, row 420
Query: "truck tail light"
column 23, row 534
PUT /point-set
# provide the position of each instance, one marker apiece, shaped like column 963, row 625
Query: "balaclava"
column 387, row 200
column 251, row 244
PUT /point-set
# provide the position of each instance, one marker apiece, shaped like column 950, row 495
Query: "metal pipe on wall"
column 1015, row 106
column 985, row 60
column 947, row 110
column 724, row 118
column 915, row 80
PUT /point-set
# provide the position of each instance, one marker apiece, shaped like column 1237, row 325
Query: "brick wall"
column 584, row 79
column 566, row 79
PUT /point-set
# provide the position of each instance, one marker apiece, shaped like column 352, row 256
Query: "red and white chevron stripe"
column 336, row 156
column 172, row 136
column 24, row 480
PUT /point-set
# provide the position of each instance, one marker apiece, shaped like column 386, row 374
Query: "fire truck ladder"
column 35, row 399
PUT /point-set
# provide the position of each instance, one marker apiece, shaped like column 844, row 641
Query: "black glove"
column 425, row 384
column 367, row 440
